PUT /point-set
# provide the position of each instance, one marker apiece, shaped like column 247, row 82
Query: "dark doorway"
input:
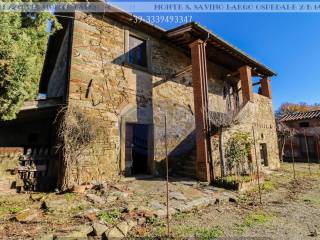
column 264, row 154
column 137, row 148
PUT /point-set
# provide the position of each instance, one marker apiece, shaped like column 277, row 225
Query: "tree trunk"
column 221, row 150
column 281, row 142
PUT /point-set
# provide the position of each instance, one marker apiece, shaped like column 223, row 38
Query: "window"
column 304, row 124
column 225, row 92
column 236, row 98
column 137, row 51
column 230, row 93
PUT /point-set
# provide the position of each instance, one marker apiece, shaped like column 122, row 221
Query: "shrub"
column 237, row 150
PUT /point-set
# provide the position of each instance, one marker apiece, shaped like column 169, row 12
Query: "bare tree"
column 222, row 122
column 283, row 132
column 78, row 132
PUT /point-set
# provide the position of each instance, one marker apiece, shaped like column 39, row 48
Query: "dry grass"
column 229, row 219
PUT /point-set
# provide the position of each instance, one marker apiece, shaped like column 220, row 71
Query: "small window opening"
column 225, row 92
column 236, row 98
column 304, row 124
column 137, row 51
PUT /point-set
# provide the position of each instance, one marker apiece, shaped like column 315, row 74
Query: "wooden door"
column 129, row 146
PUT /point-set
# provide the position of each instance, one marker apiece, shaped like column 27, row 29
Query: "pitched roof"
column 218, row 50
column 300, row 116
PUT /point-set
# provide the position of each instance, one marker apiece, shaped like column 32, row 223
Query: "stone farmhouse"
column 306, row 140
column 129, row 76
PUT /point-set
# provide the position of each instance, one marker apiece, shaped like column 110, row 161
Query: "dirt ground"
column 290, row 209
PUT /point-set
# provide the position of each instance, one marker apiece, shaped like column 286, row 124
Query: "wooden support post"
column 200, row 91
column 167, row 173
column 258, row 171
column 318, row 151
column 266, row 87
column 246, row 84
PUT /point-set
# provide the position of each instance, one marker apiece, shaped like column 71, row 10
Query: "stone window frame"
column 127, row 34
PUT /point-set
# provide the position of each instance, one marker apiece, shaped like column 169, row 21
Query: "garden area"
column 290, row 209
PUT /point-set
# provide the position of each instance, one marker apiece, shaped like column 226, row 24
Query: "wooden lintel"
column 234, row 74
column 186, row 69
column 256, row 83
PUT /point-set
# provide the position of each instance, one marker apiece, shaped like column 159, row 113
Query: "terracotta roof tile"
column 300, row 116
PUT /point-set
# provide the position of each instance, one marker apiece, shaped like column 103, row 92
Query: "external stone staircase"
column 185, row 164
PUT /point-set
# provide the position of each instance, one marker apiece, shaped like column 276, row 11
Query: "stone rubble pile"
column 131, row 210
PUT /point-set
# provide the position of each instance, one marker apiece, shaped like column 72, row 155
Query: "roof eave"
column 159, row 32
column 210, row 35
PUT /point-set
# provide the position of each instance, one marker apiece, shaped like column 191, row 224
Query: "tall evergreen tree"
column 23, row 42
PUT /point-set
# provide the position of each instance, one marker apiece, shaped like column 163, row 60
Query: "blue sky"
column 289, row 43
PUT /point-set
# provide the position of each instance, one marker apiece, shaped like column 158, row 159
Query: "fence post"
column 292, row 155
column 167, row 172
column 318, row 153
column 258, row 172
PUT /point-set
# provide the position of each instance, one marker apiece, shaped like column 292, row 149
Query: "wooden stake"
column 292, row 155
column 258, row 172
column 307, row 148
column 318, row 153
column 167, row 171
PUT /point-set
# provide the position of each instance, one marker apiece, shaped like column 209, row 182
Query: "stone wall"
column 113, row 93
column 299, row 148
column 257, row 119
column 264, row 125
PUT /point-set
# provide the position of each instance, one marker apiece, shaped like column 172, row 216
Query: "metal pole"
column 307, row 148
column 167, row 171
column 292, row 155
column 258, row 172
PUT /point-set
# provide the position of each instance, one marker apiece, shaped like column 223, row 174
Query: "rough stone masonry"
column 114, row 94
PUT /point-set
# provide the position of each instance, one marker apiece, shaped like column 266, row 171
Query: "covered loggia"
column 34, row 134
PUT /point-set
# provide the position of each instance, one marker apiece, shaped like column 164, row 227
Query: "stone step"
column 185, row 174
column 188, row 160
column 187, row 164
column 188, row 168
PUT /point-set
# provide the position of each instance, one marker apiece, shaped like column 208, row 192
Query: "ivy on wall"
column 237, row 151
